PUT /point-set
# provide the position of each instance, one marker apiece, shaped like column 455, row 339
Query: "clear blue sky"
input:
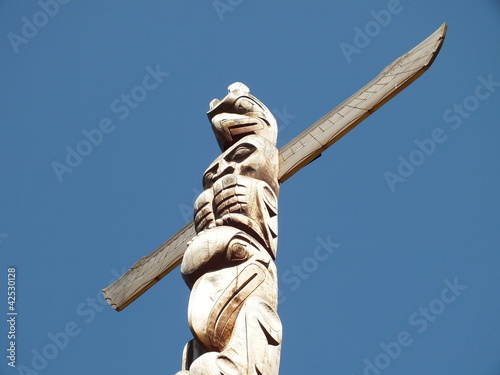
column 413, row 267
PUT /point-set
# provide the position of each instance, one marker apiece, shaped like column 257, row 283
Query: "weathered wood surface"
column 335, row 124
column 149, row 270
column 293, row 156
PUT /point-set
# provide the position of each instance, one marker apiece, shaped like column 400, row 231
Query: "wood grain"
column 293, row 156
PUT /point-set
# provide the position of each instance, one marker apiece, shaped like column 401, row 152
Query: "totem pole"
column 227, row 254
column 229, row 265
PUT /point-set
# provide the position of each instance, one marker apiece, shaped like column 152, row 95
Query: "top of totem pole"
column 240, row 114
column 296, row 154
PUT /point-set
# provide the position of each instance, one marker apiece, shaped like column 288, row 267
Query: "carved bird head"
column 240, row 114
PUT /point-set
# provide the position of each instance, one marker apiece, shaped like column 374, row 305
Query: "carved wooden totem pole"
column 227, row 254
column 229, row 265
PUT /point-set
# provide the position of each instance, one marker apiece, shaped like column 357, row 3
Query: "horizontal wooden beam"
column 293, row 156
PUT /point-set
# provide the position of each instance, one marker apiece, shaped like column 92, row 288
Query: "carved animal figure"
column 229, row 266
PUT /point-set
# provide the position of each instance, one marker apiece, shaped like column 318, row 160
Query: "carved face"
column 240, row 114
column 253, row 157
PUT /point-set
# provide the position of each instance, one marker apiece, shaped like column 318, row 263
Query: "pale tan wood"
column 293, row 156
column 229, row 266
column 334, row 125
column 149, row 270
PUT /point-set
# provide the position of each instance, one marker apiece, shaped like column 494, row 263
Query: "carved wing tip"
column 113, row 305
column 441, row 32
column 109, row 299
column 438, row 36
column 443, row 29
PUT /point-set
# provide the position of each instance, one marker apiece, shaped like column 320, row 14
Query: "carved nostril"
column 228, row 170
column 209, row 176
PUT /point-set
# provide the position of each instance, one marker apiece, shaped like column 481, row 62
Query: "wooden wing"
column 149, row 270
column 293, row 156
column 334, row 125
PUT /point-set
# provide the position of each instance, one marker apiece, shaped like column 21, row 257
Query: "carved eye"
column 244, row 105
column 238, row 251
column 241, row 152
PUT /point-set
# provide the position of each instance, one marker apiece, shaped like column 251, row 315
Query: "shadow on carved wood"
column 228, row 252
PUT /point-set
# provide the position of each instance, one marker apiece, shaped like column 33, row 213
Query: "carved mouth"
column 245, row 127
